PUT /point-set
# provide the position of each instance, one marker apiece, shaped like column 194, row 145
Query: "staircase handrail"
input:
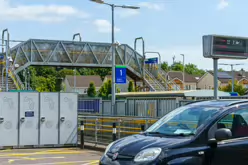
column 169, row 82
column 154, row 80
column 16, row 79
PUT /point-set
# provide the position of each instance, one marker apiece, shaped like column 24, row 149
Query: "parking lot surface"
column 70, row 156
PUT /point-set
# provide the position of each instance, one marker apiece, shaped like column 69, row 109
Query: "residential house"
column 207, row 80
column 82, row 83
column 176, row 80
column 123, row 87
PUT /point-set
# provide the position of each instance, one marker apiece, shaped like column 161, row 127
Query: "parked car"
column 203, row 133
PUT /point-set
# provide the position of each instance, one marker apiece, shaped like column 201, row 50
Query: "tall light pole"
column 232, row 73
column 183, row 72
column 75, row 80
column 6, row 51
column 144, row 56
column 74, row 71
column 113, row 6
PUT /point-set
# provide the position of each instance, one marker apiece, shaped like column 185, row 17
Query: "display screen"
column 229, row 46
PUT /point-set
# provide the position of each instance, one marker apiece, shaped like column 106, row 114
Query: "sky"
column 170, row 27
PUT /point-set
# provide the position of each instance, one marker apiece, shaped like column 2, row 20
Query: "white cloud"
column 222, row 4
column 152, row 6
column 40, row 13
column 104, row 26
column 127, row 13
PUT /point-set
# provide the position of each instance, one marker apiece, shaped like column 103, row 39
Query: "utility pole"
column 113, row 6
column 183, row 72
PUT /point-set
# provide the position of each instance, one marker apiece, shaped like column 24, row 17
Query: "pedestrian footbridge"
column 35, row 52
column 75, row 54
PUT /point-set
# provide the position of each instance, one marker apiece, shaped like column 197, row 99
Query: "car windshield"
column 183, row 121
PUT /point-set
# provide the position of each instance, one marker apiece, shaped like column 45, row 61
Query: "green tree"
column 43, row 84
column 102, row 72
column 64, row 72
column 165, row 66
column 239, row 88
column 91, row 90
column 177, row 66
column 193, row 70
column 106, row 88
column 131, row 87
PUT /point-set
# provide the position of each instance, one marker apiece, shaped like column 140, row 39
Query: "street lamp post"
column 113, row 6
column 77, row 34
column 144, row 56
column 74, row 71
column 6, row 51
column 75, row 80
column 232, row 73
column 183, row 72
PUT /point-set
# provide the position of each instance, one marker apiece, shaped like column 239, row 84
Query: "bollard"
column 142, row 128
column 114, row 131
column 82, row 134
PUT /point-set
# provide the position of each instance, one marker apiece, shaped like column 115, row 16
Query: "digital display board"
column 226, row 47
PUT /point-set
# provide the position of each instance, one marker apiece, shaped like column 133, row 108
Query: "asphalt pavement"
column 67, row 156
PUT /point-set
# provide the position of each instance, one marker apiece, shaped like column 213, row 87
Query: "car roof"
column 219, row 103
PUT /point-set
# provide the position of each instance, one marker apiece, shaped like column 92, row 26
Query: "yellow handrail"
column 14, row 80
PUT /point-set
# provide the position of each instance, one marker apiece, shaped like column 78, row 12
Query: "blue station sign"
column 151, row 61
column 1, row 56
column 120, row 74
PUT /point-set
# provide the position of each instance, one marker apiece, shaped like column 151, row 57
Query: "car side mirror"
column 220, row 134
column 223, row 134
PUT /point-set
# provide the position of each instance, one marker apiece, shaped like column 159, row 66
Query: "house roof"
column 225, row 77
column 84, row 81
column 179, row 75
column 109, row 77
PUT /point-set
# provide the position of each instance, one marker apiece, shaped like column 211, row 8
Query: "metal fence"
column 133, row 107
column 142, row 107
column 99, row 130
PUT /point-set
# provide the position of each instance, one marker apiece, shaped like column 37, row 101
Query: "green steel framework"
column 74, row 54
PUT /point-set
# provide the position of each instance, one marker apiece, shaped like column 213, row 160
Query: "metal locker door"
column 29, row 111
column 68, row 118
column 49, row 115
column 8, row 119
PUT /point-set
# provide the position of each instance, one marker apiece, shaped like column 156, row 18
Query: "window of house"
column 85, row 90
column 237, row 122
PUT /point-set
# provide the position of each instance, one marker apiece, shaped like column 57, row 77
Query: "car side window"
column 237, row 122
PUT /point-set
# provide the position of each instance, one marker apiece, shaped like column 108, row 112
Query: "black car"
column 202, row 133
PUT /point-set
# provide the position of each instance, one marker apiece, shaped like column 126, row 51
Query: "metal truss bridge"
column 75, row 54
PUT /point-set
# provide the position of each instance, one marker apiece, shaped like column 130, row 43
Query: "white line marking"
column 70, row 162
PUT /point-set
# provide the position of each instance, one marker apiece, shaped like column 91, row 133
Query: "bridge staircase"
column 151, row 81
column 13, row 83
column 164, row 78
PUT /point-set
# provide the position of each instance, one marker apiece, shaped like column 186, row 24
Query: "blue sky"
column 168, row 26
